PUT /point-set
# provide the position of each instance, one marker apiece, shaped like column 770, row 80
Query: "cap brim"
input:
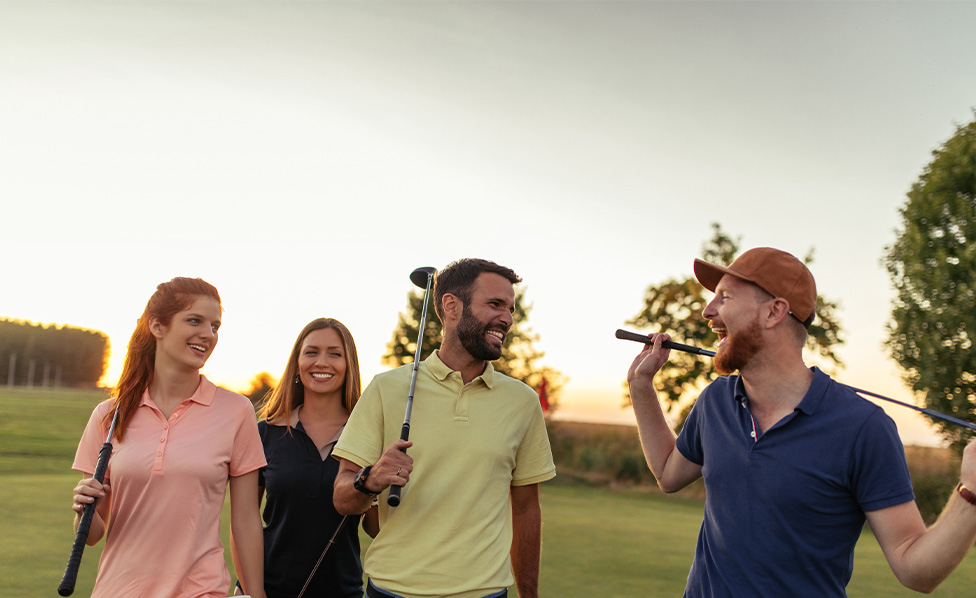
column 709, row 274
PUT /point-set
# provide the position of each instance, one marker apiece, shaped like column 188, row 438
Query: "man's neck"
column 775, row 386
column 456, row 357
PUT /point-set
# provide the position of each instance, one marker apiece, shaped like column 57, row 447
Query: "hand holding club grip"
column 633, row 336
column 643, row 338
column 394, row 497
column 67, row 586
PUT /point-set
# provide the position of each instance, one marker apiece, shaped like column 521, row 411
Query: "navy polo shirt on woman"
column 784, row 507
column 300, row 519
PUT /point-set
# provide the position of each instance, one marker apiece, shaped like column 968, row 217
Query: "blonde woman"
column 301, row 420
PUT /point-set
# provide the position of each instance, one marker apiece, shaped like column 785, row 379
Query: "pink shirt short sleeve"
column 169, row 478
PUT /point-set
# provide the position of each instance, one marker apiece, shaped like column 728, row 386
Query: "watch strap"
column 966, row 494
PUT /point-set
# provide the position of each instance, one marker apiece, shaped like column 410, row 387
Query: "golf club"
column 421, row 277
column 641, row 338
column 322, row 556
column 67, row 586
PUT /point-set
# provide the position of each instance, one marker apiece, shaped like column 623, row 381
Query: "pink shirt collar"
column 204, row 394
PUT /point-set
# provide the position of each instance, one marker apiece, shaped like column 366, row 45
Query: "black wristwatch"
column 359, row 482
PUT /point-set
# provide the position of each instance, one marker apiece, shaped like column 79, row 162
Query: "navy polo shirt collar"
column 810, row 402
column 815, row 394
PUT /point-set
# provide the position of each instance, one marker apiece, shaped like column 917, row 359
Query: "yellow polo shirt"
column 452, row 532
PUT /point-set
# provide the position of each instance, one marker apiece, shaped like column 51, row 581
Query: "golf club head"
column 419, row 276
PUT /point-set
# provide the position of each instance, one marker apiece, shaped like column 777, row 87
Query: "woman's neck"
column 323, row 408
column 171, row 386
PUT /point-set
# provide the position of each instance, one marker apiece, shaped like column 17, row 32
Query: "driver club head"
column 419, row 276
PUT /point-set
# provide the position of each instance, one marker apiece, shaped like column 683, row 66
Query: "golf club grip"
column 643, row 338
column 394, row 497
column 67, row 586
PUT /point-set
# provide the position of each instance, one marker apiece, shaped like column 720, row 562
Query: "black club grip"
column 67, row 586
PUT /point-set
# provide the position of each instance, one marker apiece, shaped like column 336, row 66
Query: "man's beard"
column 738, row 349
column 471, row 333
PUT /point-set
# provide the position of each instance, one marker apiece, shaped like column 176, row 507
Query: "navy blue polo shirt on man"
column 784, row 507
column 300, row 519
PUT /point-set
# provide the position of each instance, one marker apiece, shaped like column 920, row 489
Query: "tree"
column 51, row 355
column 675, row 307
column 931, row 263
column 261, row 385
column 520, row 358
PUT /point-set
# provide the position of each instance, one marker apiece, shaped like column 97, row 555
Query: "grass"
column 597, row 542
column 39, row 429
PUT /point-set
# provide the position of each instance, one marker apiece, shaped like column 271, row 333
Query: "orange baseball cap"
column 778, row 273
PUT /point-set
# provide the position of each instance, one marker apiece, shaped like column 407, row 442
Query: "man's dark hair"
column 457, row 278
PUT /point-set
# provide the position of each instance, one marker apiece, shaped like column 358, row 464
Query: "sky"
column 305, row 157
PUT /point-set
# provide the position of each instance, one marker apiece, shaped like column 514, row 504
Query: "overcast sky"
column 305, row 157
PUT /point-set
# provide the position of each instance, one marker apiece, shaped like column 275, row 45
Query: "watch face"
column 359, row 481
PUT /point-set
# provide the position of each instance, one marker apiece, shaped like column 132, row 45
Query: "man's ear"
column 779, row 309
column 452, row 306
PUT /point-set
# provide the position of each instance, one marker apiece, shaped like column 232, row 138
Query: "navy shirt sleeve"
column 879, row 470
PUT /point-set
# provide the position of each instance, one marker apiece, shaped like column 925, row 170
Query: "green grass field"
column 597, row 542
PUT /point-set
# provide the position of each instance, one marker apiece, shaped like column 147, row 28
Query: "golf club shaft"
column 322, row 556
column 632, row 336
column 67, row 586
column 928, row 412
column 394, row 497
column 643, row 338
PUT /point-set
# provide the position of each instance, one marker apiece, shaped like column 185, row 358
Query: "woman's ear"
column 156, row 327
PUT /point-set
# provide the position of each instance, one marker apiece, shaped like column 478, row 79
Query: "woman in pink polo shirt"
column 179, row 441
column 301, row 419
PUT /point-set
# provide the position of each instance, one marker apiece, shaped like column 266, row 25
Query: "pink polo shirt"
column 169, row 478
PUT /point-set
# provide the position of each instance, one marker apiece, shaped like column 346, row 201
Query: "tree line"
column 38, row 355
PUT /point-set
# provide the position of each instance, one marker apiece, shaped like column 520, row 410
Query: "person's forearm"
column 928, row 560
column 371, row 522
column 235, row 557
column 526, row 550
column 526, row 555
column 247, row 533
column 346, row 499
column 248, row 555
column 656, row 437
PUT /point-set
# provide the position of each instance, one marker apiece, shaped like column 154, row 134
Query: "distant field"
column 597, row 542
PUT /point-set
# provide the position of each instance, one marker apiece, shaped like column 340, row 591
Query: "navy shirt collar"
column 811, row 401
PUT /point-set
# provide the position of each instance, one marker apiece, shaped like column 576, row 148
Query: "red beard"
column 738, row 349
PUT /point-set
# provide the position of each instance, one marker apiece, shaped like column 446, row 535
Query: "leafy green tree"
column 520, row 358
column 675, row 307
column 931, row 263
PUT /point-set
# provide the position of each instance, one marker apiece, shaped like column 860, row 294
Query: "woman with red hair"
column 179, row 441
